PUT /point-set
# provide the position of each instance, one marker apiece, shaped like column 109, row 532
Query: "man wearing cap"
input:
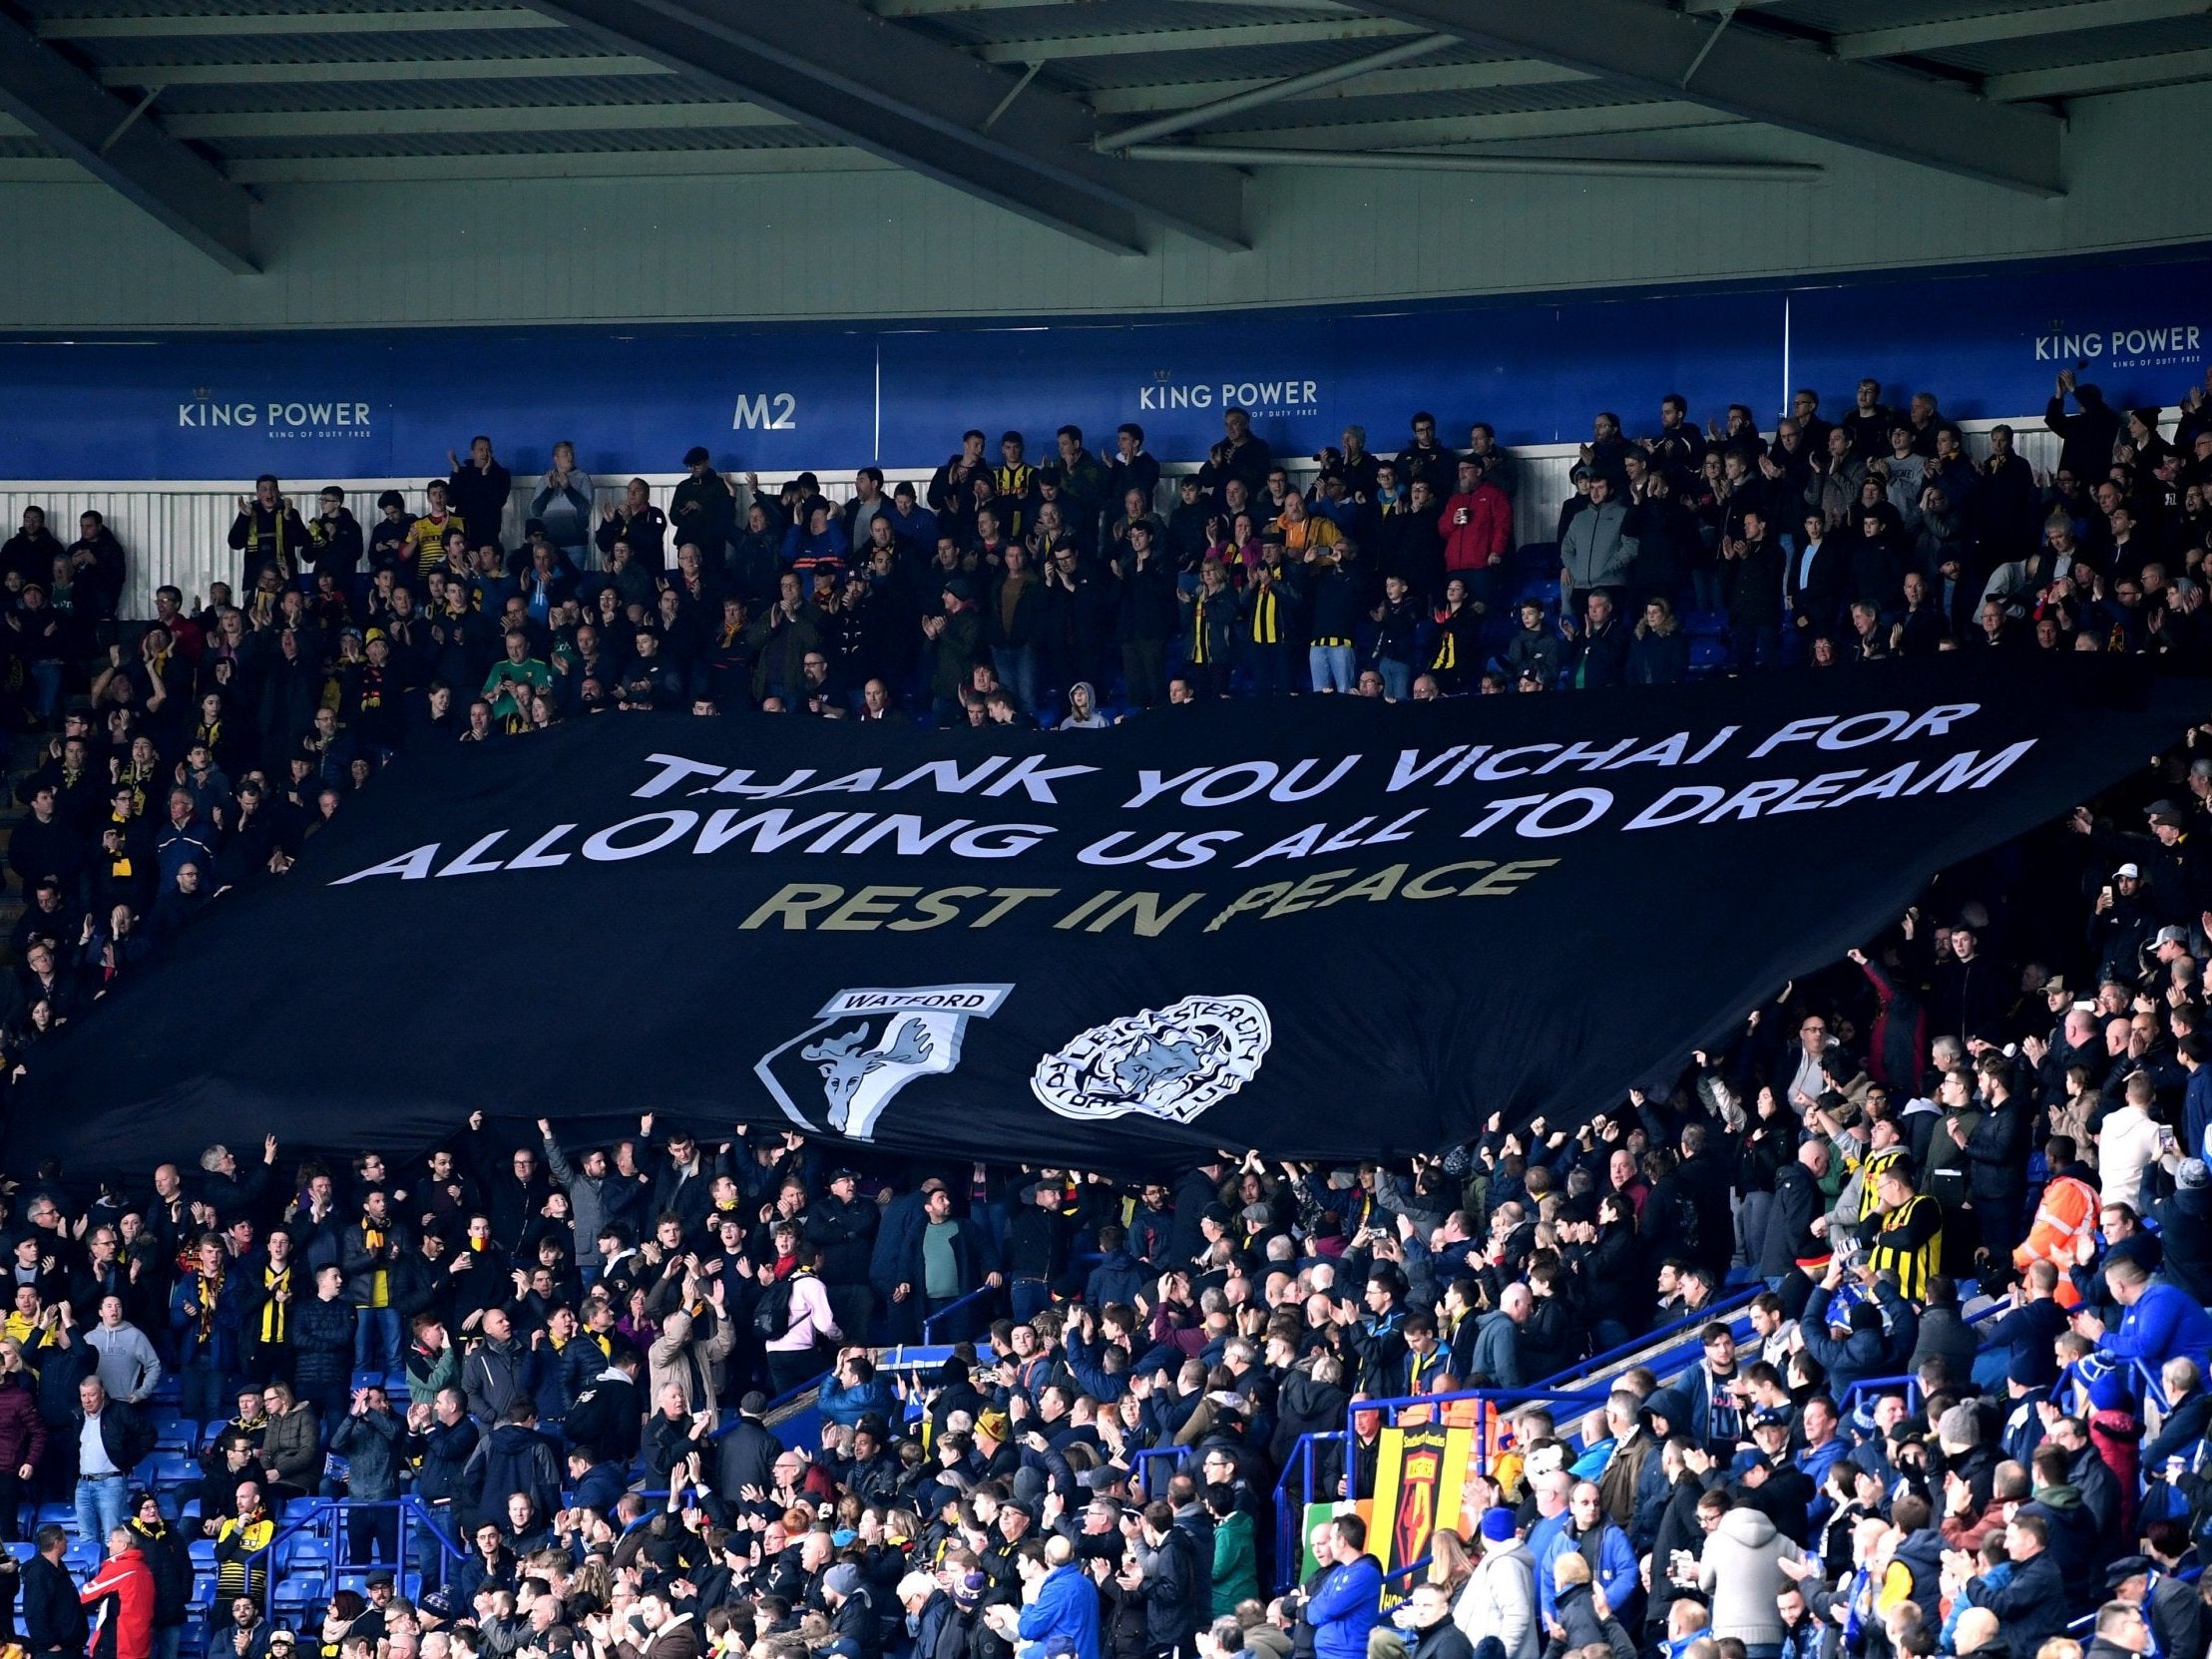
column 1501, row 1599
column 1741, row 1568
column 704, row 509
column 169, row 1561
column 2177, row 880
column 852, row 1610
column 1768, row 1482
column 2167, row 1615
column 843, row 1227
column 954, row 636
column 2121, row 923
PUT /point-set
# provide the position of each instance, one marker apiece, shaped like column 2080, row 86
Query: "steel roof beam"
column 69, row 111
column 1750, row 72
column 843, row 72
column 2022, row 23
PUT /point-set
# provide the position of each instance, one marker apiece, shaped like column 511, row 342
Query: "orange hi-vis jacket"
column 2068, row 1210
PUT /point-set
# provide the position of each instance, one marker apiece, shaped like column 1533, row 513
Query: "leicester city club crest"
column 1172, row 1063
column 842, row 1071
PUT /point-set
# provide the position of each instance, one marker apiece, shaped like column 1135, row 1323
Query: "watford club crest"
column 840, row 1074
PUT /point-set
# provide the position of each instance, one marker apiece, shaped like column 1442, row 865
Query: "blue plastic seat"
column 301, row 1551
column 296, row 1593
column 167, row 1470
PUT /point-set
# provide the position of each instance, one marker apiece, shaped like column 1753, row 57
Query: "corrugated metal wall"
column 880, row 243
column 177, row 534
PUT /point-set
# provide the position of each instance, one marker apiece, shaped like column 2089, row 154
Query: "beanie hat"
column 1498, row 1523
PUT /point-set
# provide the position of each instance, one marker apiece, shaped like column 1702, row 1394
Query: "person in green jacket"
column 1236, row 1563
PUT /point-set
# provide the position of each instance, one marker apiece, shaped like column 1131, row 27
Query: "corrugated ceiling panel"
column 434, row 46
column 1103, row 17
column 582, row 92
column 526, row 144
column 2003, row 57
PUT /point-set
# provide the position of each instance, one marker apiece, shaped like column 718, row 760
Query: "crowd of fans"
column 1007, row 589
column 563, row 1347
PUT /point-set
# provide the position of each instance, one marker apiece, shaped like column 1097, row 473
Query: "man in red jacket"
column 1478, row 530
column 127, row 1584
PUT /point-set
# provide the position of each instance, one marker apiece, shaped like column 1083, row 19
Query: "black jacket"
column 746, row 1458
column 321, row 1338
column 1797, row 1200
column 336, row 543
column 1173, row 1610
column 126, row 1436
column 53, row 1618
column 169, row 1559
column 1601, row 656
column 2030, row 1609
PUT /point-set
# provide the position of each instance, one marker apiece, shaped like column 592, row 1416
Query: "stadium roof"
column 1106, row 119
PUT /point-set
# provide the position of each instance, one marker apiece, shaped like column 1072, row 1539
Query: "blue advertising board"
column 376, row 404
column 391, row 404
column 1991, row 343
column 1535, row 372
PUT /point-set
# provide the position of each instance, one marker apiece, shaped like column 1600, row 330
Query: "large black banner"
column 1321, row 928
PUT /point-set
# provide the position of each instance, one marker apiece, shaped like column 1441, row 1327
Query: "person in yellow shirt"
column 1303, row 530
column 30, row 1322
column 425, row 541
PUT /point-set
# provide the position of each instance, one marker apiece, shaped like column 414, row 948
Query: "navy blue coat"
column 53, row 1618
column 2030, row 1609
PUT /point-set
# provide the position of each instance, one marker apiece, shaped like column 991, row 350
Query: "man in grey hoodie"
column 1741, row 1574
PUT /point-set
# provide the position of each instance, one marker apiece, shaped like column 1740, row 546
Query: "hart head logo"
column 1170, row 1063
column 866, row 1045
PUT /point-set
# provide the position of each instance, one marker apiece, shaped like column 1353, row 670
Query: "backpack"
column 771, row 1315
column 1685, row 1221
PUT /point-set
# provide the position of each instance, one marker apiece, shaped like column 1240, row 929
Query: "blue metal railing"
column 1292, row 1499
column 322, row 1521
column 1150, row 1458
column 1728, row 1310
column 946, row 1313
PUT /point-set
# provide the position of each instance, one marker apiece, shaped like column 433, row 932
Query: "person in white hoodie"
column 1500, row 1600
column 2128, row 1142
column 1740, row 1573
